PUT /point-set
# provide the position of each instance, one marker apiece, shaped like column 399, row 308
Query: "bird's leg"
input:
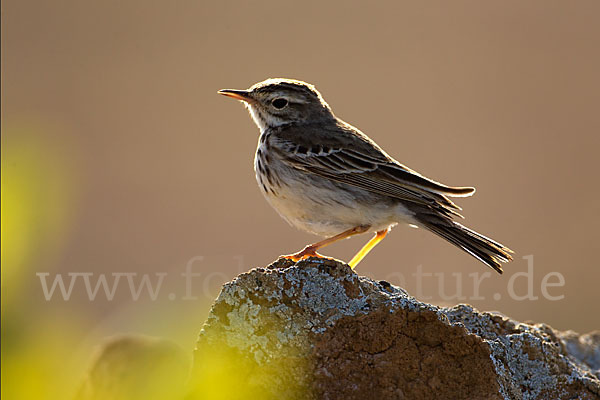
column 368, row 247
column 311, row 249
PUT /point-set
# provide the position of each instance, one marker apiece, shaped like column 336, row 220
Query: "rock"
column 131, row 367
column 316, row 330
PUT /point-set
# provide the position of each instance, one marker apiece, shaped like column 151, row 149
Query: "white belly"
column 325, row 209
column 319, row 205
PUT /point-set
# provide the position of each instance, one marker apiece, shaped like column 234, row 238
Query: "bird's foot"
column 309, row 251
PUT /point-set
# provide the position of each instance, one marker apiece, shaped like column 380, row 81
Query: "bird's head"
column 276, row 102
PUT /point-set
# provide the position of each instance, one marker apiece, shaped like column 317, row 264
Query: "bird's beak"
column 243, row 95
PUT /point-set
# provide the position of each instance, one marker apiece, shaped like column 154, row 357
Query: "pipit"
column 326, row 177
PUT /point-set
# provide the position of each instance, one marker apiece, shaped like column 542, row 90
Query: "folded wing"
column 361, row 163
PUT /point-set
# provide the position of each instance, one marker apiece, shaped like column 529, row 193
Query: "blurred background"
column 118, row 157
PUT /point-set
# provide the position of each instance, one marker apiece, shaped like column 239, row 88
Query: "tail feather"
column 484, row 249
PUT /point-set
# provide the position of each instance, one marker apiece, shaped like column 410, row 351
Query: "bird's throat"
column 264, row 120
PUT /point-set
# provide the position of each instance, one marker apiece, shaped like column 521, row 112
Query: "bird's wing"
column 346, row 155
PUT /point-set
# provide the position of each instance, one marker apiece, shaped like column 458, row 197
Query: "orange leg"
column 311, row 250
column 368, row 247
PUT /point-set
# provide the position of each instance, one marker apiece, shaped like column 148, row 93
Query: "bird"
column 324, row 176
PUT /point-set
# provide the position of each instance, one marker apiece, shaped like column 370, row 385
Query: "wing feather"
column 353, row 159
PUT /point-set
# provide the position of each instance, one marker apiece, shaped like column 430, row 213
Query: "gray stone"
column 316, row 330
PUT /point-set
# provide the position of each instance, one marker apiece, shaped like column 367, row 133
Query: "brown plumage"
column 326, row 177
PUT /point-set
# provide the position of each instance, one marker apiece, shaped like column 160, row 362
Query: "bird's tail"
column 482, row 248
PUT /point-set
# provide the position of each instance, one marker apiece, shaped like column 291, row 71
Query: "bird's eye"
column 279, row 103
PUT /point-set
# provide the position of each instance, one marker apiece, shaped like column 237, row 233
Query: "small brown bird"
column 326, row 177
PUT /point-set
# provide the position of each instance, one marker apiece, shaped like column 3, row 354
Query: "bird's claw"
column 303, row 255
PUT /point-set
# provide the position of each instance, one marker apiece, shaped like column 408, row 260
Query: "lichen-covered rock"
column 316, row 330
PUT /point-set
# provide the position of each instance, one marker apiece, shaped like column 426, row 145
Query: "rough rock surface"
column 316, row 330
